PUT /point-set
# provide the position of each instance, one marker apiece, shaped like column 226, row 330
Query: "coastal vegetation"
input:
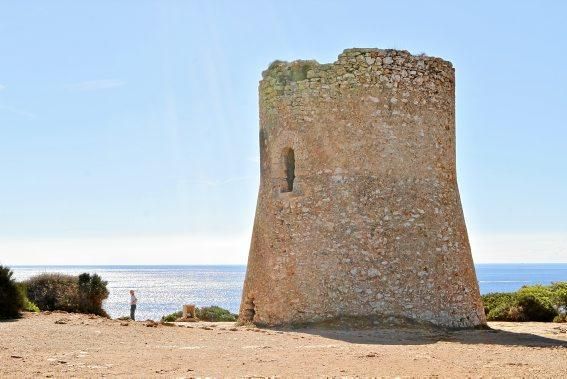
column 172, row 317
column 529, row 303
column 11, row 296
column 82, row 294
column 213, row 313
column 29, row 306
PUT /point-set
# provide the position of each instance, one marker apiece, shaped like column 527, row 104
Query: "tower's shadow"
column 420, row 336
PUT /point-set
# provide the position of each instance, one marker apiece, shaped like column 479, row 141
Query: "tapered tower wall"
column 358, row 209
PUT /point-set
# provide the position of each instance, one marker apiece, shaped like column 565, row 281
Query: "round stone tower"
column 358, row 212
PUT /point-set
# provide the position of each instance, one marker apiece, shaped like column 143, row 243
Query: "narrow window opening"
column 289, row 165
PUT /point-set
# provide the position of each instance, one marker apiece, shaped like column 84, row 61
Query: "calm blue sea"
column 163, row 289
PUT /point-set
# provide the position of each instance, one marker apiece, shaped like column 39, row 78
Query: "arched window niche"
column 288, row 156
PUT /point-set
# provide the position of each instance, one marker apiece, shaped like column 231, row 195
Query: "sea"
column 164, row 289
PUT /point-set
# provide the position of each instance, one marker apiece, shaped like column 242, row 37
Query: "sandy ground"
column 71, row 345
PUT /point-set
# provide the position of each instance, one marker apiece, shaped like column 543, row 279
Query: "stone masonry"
column 358, row 212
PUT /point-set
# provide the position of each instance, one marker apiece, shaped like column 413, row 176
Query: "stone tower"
column 358, row 211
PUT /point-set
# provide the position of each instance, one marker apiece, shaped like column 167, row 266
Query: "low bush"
column 559, row 296
column 92, row 292
column 529, row 303
column 82, row 294
column 53, row 291
column 11, row 296
column 497, row 300
column 213, row 313
column 535, row 308
column 172, row 317
column 28, row 306
column 504, row 309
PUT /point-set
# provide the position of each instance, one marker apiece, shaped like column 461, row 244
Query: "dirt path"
column 38, row 346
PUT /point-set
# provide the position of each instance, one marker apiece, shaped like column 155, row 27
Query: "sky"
column 129, row 130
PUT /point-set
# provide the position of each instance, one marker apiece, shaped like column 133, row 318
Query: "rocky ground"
column 71, row 345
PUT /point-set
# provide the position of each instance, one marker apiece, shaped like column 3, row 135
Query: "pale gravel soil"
column 35, row 346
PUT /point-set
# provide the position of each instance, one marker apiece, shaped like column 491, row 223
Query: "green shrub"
column 11, row 297
column 82, row 294
column 172, row 317
column 559, row 296
column 497, row 300
column 212, row 313
column 536, row 308
column 504, row 308
column 529, row 303
column 543, row 294
column 215, row 313
column 28, row 306
column 92, row 292
column 53, row 291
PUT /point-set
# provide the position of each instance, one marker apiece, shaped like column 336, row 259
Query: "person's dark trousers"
column 132, row 311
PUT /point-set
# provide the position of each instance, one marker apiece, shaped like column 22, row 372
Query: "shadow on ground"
column 2, row 320
column 416, row 335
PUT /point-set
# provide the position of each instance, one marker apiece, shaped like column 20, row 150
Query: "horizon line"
column 235, row 264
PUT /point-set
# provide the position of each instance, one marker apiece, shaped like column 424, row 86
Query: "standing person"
column 133, row 302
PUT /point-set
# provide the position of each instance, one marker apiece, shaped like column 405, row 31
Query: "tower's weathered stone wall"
column 358, row 210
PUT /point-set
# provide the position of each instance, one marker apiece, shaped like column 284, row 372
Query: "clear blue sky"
column 133, row 124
